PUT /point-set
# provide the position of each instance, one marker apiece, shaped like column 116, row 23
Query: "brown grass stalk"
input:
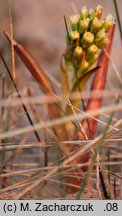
column 3, row 152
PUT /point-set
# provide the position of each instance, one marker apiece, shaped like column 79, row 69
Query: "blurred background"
column 39, row 25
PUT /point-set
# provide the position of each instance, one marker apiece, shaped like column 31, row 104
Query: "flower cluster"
column 87, row 36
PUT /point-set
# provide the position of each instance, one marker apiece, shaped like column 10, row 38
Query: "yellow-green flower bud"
column 75, row 35
column 84, row 12
column 92, row 49
column 96, row 25
column 87, row 39
column 74, row 22
column 83, row 68
column 98, row 12
column 85, row 65
column 78, row 52
column 83, row 25
column 91, row 52
column 94, row 58
column 108, row 22
column 103, row 42
column 100, row 35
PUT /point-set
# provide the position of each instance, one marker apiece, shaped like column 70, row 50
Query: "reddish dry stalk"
column 93, row 104
column 42, row 79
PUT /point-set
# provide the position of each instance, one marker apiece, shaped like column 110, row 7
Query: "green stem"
column 67, row 32
column 83, row 104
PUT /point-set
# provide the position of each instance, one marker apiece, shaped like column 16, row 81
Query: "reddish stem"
column 94, row 104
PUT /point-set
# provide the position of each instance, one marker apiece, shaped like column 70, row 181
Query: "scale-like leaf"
column 79, row 86
column 64, row 78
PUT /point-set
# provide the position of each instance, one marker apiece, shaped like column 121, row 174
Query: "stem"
column 94, row 104
column 83, row 104
column 24, row 107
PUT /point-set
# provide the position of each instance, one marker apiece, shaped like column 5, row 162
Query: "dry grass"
column 32, row 175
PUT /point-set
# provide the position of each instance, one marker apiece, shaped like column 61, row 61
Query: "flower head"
column 88, row 35
column 100, row 35
column 74, row 19
column 75, row 35
column 87, row 39
column 74, row 22
column 83, row 25
column 98, row 11
column 92, row 49
column 78, row 52
column 96, row 24
column 109, row 21
column 83, row 67
column 84, row 12
column 102, row 43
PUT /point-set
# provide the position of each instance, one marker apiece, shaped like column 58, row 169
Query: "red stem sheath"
column 98, row 83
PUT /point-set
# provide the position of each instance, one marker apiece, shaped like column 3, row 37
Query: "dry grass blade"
column 60, row 167
column 3, row 146
column 19, row 95
column 12, row 46
column 37, row 117
column 61, row 121
column 48, row 99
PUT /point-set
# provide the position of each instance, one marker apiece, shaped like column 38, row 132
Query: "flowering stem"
column 99, row 84
column 93, row 104
column 83, row 104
